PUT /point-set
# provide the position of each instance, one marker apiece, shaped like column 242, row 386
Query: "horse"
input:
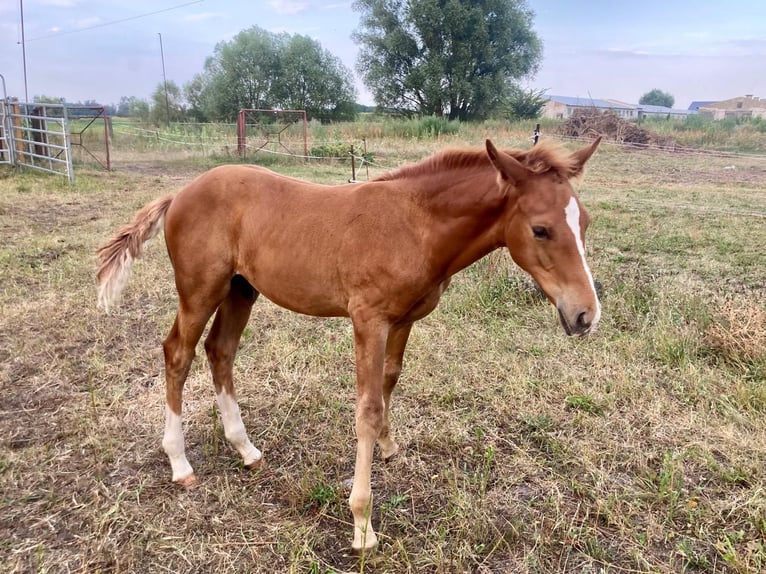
column 380, row 252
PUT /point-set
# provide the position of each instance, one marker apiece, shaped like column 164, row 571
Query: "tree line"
column 460, row 59
column 457, row 59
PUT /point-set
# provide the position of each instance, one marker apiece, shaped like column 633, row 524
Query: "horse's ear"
column 582, row 156
column 509, row 168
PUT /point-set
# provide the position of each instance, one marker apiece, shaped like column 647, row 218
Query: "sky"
column 102, row 49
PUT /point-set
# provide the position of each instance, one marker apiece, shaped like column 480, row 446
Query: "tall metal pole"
column 23, row 51
column 164, row 81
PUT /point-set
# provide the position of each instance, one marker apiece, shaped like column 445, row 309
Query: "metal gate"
column 35, row 136
column 6, row 147
column 40, row 137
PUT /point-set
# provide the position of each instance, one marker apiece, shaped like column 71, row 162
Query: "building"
column 650, row 111
column 746, row 106
column 697, row 104
column 563, row 107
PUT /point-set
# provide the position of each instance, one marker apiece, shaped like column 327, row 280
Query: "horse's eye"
column 540, row 232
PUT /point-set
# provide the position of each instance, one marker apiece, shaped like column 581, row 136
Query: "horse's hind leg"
column 395, row 344
column 221, row 347
column 179, row 353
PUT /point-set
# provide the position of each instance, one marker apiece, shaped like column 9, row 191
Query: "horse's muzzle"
column 580, row 324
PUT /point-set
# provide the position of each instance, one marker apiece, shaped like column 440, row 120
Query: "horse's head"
column 544, row 228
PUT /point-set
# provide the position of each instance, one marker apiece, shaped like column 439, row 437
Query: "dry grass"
column 640, row 449
column 740, row 331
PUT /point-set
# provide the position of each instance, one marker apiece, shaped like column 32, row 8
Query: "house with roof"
column 697, row 104
column 649, row 111
column 563, row 107
column 747, row 106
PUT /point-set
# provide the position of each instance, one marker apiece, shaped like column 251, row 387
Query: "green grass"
column 641, row 448
column 739, row 135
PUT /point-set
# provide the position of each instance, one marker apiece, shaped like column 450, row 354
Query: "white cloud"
column 626, row 52
column 87, row 22
column 288, row 7
column 201, row 16
column 60, row 3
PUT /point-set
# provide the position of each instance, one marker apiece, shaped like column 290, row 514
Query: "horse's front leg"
column 370, row 345
column 397, row 341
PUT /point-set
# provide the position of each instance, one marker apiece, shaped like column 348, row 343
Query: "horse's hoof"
column 391, row 456
column 389, row 451
column 365, row 544
column 188, row 482
column 256, row 464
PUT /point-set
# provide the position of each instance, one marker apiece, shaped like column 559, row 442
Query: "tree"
column 314, row 80
column 43, row 99
column 525, row 104
column 260, row 69
column 123, row 108
column 453, row 57
column 657, row 98
column 167, row 104
column 139, row 109
column 133, row 107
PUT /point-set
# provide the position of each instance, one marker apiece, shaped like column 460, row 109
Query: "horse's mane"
column 545, row 156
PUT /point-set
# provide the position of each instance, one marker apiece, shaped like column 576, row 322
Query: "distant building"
column 696, row 105
column 746, row 106
column 647, row 110
column 562, row 107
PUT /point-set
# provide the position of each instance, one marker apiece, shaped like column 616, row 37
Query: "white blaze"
column 234, row 429
column 572, row 212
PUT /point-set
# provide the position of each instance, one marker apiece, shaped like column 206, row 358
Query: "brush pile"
column 589, row 122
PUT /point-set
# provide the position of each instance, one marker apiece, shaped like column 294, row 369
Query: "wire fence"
column 221, row 139
column 670, row 149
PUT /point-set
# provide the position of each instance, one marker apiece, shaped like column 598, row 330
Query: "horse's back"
column 282, row 234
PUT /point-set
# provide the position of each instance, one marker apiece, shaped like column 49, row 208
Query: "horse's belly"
column 307, row 306
column 299, row 288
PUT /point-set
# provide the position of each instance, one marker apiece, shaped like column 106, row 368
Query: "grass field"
column 641, row 448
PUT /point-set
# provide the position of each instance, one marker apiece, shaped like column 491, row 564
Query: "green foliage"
column 322, row 494
column 584, row 403
column 731, row 134
column 657, row 97
column 43, row 99
column 525, row 104
column 167, row 104
column 432, row 127
column 421, row 128
column 435, row 57
column 133, row 107
column 260, row 69
column 339, row 150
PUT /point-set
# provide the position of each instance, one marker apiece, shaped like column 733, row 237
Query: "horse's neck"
column 460, row 196
column 465, row 218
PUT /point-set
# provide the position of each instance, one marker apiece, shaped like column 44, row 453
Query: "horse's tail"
column 116, row 257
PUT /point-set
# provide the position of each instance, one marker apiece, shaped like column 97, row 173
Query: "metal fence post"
column 67, row 145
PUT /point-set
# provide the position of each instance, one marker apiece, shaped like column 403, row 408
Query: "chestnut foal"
column 380, row 252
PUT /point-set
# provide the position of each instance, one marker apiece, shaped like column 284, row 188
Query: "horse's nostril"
column 582, row 321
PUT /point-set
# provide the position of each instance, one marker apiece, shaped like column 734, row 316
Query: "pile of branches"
column 590, row 122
